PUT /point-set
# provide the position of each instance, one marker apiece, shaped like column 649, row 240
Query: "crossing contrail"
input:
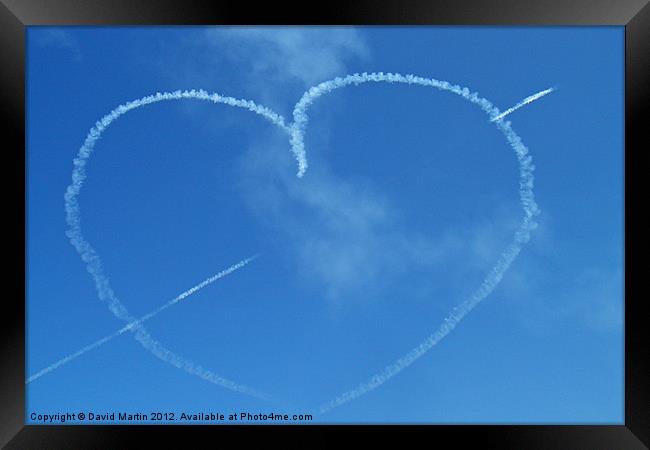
column 142, row 319
column 91, row 257
column 521, row 236
column 524, row 102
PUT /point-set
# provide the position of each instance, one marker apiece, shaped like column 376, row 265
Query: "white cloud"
column 269, row 65
column 305, row 54
column 595, row 298
column 352, row 241
column 348, row 238
column 545, row 291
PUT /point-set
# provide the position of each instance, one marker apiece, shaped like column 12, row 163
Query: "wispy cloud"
column 56, row 38
column 351, row 241
column 305, row 54
column 590, row 298
column 543, row 291
column 597, row 298
column 271, row 65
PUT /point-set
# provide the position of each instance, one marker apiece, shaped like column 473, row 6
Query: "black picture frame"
column 16, row 15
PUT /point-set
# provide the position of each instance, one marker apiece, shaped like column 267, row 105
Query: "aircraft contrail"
column 524, row 102
column 92, row 259
column 521, row 236
column 142, row 319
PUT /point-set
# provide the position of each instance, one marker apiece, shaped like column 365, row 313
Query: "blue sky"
column 410, row 197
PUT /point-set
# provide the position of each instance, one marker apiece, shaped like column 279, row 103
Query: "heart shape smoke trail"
column 296, row 131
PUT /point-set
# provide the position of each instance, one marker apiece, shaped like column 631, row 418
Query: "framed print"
column 237, row 220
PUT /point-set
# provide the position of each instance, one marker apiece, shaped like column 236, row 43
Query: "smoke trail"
column 301, row 118
column 521, row 236
column 142, row 319
column 92, row 259
column 524, row 102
